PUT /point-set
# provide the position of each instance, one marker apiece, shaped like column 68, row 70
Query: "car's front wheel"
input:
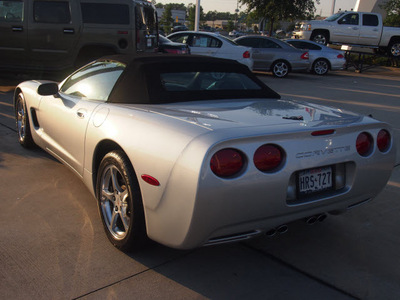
column 280, row 69
column 120, row 202
column 22, row 123
column 320, row 66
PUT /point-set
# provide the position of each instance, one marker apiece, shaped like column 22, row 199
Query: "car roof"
column 140, row 81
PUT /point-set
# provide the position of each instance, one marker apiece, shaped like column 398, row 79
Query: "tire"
column 320, row 66
column 394, row 49
column 120, row 202
column 320, row 38
column 280, row 69
column 22, row 123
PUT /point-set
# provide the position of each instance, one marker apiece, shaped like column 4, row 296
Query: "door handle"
column 69, row 31
column 17, row 29
column 355, row 28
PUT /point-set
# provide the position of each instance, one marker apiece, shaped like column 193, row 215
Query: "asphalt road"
column 52, row 244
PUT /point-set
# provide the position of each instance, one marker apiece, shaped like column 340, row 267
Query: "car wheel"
column 394, row 49
column 320, row 38
column 120, row 202
column 320, row 66
column 280, row 69
column 22, row 122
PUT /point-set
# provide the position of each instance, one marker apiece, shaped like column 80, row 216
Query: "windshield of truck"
column 334, row 17
column 146, row 18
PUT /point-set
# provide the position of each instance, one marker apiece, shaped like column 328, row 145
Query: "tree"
column 166, row 19
column 392, row 8
column 191, row 9
column 277, row 10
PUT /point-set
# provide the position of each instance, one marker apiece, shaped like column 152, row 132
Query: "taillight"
column 227, row 162
column 268, row 158
column 364, row 144
column 304, row 55
column 340, row 56
column 174, row 51
column 246, row 54
column 383, row 140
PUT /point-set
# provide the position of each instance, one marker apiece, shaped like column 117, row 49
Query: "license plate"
column 315, row 180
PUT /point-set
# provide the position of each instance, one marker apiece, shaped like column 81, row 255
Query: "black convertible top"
column 140, row 82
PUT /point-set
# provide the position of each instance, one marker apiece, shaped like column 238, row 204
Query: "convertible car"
column 191, row 151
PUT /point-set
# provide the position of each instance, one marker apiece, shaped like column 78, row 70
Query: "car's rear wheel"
column 320, row 38
column 280, row 69
column 320, row 66
column 394, row 49
column 22, row 123
column 120, row 202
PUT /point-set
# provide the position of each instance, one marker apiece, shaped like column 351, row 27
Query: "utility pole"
column 333, row 7
column 197, row 17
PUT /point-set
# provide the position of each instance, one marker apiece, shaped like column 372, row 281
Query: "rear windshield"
column 209, row 81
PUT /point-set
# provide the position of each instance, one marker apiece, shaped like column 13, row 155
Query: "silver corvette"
column 191, row 151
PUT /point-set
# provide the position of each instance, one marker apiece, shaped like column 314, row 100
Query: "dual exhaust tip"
column 314, row 219
column 284, row 228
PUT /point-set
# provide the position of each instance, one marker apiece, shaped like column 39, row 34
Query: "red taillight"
column 340, row 56
column 304, row 55
column 246, row 54
column 383, row 140
column 174, row 51
column 227, row 162
column 268, row 157
column 364, row 144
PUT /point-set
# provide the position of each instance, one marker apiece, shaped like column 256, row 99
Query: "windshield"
column 334, row 17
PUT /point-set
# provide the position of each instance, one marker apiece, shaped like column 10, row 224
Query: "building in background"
column 370, row 6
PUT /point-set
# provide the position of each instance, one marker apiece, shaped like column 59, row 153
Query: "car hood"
column 214, row 115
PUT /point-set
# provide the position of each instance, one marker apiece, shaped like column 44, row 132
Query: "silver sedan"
column 322, row 58
column 273, row 55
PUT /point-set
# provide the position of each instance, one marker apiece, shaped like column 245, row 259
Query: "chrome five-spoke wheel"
column 120, row 202
column 320, row 67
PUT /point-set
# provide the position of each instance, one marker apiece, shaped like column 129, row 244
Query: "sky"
column 325, row 6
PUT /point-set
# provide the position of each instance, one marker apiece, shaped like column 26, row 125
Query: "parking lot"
column 52, row 244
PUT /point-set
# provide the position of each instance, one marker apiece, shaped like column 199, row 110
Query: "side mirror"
column 48, row 89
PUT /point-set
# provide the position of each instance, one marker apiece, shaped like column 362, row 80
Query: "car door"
column 53, row 32
column 202, row 44
column 13, row 32
column 64, row 118
column 370, row 32
column 347, row 29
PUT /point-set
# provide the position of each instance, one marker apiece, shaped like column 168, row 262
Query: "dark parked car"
column 179, row 28
column 167, row 46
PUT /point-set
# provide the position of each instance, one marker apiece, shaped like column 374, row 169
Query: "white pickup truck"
column 352, row 28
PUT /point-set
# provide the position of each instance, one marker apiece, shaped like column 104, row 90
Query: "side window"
column 11, row 11
column 104, row 13
column 180, row 38
column 269, row 44
column 370, row 20
column 94, row 82
column 51, row 12
column 349, row 19
column 309, row 46
column 200, row 41
column 214, row 43
column 249, row 42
